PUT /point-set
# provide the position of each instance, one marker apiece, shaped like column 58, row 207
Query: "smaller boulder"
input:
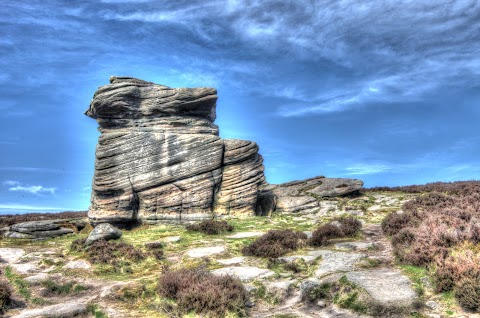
column 103, row 231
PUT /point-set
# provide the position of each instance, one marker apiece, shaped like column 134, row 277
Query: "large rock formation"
column 159, row 158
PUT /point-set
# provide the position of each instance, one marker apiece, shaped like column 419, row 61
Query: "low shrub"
column 467, row 292
column 5, row 294
column 156, row 249
column 276, row 243
column 78, row 245
column 210, row 227
column 349, row 225
column 341, row 227
column 204, row 293
column 118, row 254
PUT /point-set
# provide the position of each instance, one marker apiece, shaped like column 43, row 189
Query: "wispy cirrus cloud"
column 396, row 51
column 17, row 206
column 16, row 186
column 366, row 169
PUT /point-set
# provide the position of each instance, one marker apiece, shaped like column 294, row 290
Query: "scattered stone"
column 432, row 304
column 11, row 255
column 36, row 279
column 231, row 261
column 336, row 261
column 78, row 264
column 354, row 246
column 27, row 268
column 17, row 235
column 308, row 234
column 291, row 258
column 309, row 288
column 279, row 290
column 171, row 239
column 321, row 303
column 103, row 231
column 385, row 286
column 64, row 310
column 244, row 273
column 241, row 235
column 34, row 226
column 205, row 251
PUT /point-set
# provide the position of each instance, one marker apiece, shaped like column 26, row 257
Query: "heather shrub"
column 349, row 225
column 118, row 254
column 78, row 245
column 156, row 249
column 467, row 292
column 276, row 243
column 340, row 227
column 202, row 292
column 210, row 227
column 5, row 294
column 324, row 233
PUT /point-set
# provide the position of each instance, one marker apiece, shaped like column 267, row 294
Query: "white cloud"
column 11, row 183
column 392, row 51
column 16, row 206
column 16, row 186
column 364, row 169
column 37, row 189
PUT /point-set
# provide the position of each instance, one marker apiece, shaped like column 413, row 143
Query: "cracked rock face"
column 159, row 158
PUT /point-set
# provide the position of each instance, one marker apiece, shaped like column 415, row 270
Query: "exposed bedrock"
column 159, row 159
column 304, row 196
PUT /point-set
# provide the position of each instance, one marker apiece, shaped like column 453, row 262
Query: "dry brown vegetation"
column 341, row 227
column 276, row 243
column 5, row 294
column 210, row 227
column 9, row 219
column 440, row 230
column 200, row 291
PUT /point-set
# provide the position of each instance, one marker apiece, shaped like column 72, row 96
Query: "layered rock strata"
column 159, row 158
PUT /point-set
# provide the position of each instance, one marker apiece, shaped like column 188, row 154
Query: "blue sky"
column 384, row 91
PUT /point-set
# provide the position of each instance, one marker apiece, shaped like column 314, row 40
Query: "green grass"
column 63, row 289
column 22, row 286
column 95, row 310
column 416, row 274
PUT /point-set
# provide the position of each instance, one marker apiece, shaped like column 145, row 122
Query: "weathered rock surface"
column 304, row 196
column 244, row 273
column 11, row 255
column 159, row 159
column 39, row 229
column 103, row 231
column 379, row 282
column 65, row 310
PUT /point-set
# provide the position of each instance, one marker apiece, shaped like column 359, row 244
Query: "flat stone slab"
column 244, row 273
column 386, row 286
column 333, row 262
column 205, row 251
column 26, row 268
column 78, row 264
column 354, row 246
column 231, row 261
column 36, row 279
column 240, row 235
column 291, row 258
column 11, row 255
column 171, row 239
column 70, row 309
